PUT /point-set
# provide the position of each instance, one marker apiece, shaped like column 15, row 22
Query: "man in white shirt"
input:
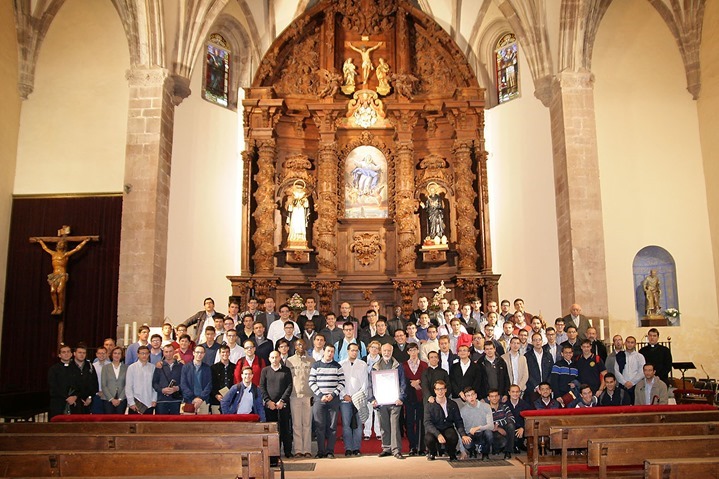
column 138, row 384
column 355, row 371
column 97, row 406
column 277, row 328
column 629, row 366
column 237, row 352
column 432, row 344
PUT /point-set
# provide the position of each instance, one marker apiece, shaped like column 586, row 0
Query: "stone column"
column 582, row 267
column 264, row 214
column 466, row 213
column 143, row 244
column 325, row 227
column 405, row 209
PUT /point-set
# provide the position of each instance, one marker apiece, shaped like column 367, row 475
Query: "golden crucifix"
column 58, row 278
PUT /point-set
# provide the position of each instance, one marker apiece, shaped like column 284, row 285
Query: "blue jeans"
column 483, row 439
column 352, row 437
column 324, row 417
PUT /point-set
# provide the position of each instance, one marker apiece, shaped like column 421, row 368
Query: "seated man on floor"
column 586, row 398
column 546, row 401
column 517, row 404
column 443, row 424
column 613, row 395
column 504, row 425
column 479, row 424
column 650, row 390
column 244, row 397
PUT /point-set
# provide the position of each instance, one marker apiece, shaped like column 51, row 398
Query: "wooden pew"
column 130, row 427
column 576, row 437
column 142, row 442
column 621, row 451
column 538, row 426
column 245, row 464
column 706, row 468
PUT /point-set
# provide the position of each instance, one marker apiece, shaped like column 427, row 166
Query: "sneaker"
column 330, row 456
column 348, row 453
column 398, row 455
column 430, row 457
column 384, row 454
column 356, row 452
column 320, row 456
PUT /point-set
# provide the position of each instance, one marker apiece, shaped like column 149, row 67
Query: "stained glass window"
column 217, row 71
column 507, row 68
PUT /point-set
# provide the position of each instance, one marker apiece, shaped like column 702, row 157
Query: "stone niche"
column 367, row 106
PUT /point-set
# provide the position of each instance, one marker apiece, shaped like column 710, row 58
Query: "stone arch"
column 580, row 23
column 144, row 30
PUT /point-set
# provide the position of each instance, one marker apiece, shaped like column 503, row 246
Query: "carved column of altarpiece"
column 368, row 105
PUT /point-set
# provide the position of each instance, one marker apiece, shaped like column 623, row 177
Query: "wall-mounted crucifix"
column 60, row 256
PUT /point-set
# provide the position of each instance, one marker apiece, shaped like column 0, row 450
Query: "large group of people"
column 454, row 379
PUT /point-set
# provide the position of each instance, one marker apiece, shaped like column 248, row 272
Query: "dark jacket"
column 435, row 421
column 534, row 376
column 460, row 381
column 221, row 378
column 161, row 378
column 187, row 383
column 276, row 385
column 231, row 401
column 500, row 366
column 429, row 377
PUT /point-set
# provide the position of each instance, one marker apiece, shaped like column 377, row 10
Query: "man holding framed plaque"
column 387, row 396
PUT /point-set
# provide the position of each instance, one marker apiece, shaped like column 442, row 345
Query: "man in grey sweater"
column 478, row 423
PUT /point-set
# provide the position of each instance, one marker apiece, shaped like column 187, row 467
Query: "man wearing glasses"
column 250, row 360
column 196, row 384
column 443, row 424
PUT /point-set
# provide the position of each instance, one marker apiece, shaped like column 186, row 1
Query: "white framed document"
column 385, row 385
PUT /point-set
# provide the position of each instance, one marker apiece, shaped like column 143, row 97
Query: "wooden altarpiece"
column 364, row 142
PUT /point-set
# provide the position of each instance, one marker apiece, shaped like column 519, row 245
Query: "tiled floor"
column 373, row 467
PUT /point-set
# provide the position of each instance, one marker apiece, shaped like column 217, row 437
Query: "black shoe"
column 385, row 454
column 453, row 458
column 320, row 456
column 356, row 452
column 472, row 453
column 289, row 455
column 430, row 457
column 398, row 455
column 348, row 453
column 508, row 455
column 485, row 457
column 330, row 456
column 413, row 452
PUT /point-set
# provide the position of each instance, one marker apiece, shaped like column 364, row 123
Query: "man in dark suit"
column 494, row 374
column 310, row 313
column 539, row 366
column 400, row 346
column 423, row 307
column 432, row 374
column 464, row 373
column 443, row 428
column 598, row 347
column 578, row 320
column 446, row 357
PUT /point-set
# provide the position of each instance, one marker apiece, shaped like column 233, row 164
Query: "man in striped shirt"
column 327, row 382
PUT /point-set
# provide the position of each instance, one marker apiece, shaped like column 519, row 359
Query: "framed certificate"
column 385, row 385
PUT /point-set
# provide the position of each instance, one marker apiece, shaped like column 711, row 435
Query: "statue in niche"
column 434, row 207
column 349, row 70
column 298, row 214
column 382, row 73
column 652, row 293
column 367, row 66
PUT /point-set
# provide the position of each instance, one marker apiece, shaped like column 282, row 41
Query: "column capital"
column 138, row 77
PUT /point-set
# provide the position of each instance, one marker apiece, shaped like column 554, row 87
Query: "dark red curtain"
column 29, row 337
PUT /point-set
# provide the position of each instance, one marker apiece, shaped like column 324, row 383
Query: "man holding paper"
column 387, row 396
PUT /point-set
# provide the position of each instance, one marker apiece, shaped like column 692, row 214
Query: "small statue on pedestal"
column 434, row 206
column 652, row 293
column 349, row 70
column 297, row 206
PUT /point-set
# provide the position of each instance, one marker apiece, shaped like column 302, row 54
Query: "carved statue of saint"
column 58, row 278
column 652, row 293
column 349, row 70
column 434, row 206
column 367, row 66
column 298, row 213
column 382, row 73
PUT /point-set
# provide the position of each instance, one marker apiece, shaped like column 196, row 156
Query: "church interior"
column 226, row 148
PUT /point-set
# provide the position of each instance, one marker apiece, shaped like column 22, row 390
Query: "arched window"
column 505, row 54
column 216, row 87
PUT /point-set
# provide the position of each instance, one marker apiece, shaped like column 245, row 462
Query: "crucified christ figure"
column 367, row 66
